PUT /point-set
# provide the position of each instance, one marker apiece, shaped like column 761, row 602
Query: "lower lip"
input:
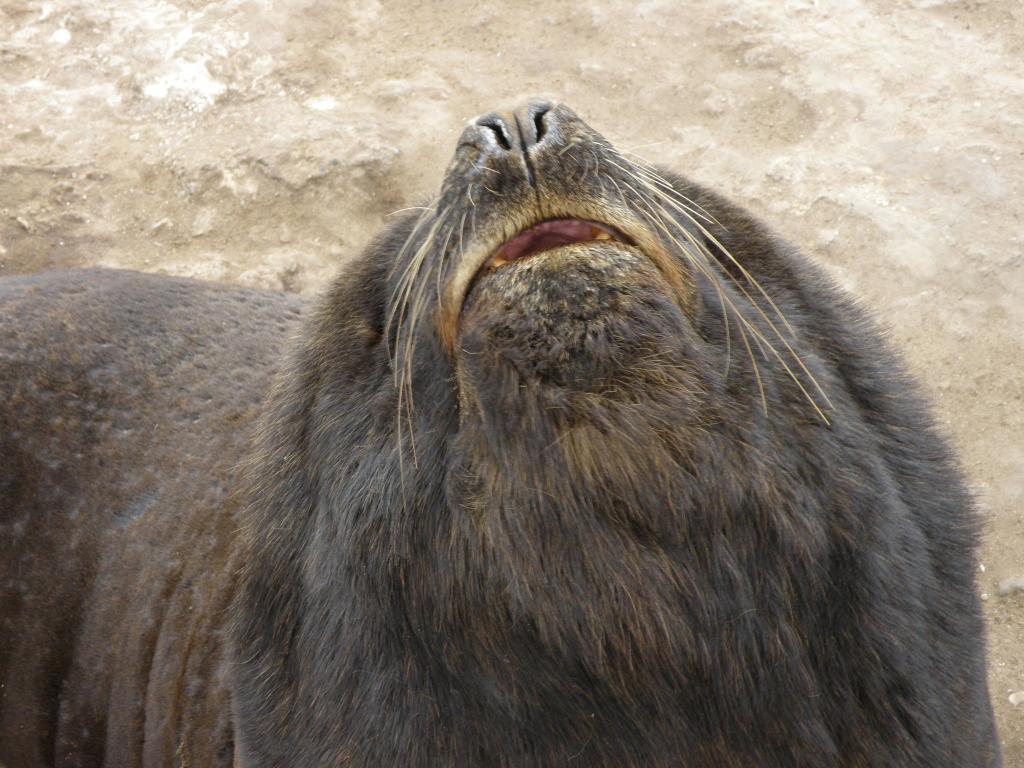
column 550, row 235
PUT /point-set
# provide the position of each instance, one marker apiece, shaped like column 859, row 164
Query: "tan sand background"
column 264, row 141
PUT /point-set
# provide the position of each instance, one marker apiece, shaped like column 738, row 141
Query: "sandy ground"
column 265, row 142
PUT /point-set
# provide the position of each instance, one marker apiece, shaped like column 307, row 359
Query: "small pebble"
column 203, row 222
column 1017, row 698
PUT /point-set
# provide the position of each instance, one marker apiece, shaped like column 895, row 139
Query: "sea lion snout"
column 519, row 140
column 522, row 129
column 530, row 180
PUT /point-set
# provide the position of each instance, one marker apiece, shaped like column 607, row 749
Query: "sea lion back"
column 125, row 403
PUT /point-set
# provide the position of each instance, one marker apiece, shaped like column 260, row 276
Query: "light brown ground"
column 264, row 141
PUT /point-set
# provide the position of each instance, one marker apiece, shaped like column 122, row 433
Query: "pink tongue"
column 550, row 234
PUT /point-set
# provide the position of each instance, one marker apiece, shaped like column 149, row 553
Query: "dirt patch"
column 266, row 142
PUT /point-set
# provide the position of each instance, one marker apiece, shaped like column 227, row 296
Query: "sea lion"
column 580, row 464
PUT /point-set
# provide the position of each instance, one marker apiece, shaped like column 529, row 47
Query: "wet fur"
column 597, row 518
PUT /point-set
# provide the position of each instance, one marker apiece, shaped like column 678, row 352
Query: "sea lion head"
column 554, row 289
column 559, row 283
column 504, row 467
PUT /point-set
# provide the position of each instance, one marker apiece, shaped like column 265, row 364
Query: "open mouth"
column 549, row 235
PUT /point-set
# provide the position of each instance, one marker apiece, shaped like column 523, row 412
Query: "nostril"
column 539, row 124
column 500, row 132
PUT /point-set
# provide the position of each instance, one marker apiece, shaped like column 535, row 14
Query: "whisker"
column 757, row 372
column 726, row 303
column 753, row 281
column 395, row 294
column 639, row 175
column 444, row 257
column 746, row 274
column 648, row 169
column 410, row 208
column 405, row 333
column 659, row 222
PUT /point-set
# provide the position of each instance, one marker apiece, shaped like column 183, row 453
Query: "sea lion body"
column 127, row 406
column 580, row 465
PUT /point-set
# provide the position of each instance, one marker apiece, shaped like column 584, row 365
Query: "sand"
column 265, row 142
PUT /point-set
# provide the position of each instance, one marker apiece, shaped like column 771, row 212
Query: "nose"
column 524, row 129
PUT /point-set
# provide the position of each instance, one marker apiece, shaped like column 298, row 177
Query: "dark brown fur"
column 126, row 401
column 667, row 500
